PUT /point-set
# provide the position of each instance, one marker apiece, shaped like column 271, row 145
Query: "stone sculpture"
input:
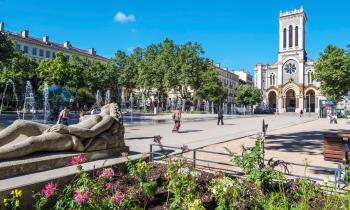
column 95, row 132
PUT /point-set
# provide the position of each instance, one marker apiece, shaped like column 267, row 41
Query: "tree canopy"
column 6, row 49
column 247, row 95
column 333, row 71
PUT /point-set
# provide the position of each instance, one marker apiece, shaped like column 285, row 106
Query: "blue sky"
column 233, row 33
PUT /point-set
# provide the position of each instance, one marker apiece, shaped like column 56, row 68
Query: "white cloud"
column 123, row 18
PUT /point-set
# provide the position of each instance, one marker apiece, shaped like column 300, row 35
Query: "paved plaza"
column 289, row 138
column 205, row 132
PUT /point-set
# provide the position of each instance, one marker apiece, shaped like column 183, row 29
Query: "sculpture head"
column 113, row 110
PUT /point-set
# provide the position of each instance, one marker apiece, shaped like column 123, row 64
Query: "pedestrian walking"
column 220, row 116
column 301, row 113
column 177, row 120
column 63, row 116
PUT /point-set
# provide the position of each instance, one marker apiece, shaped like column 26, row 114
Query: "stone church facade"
column 288, row 85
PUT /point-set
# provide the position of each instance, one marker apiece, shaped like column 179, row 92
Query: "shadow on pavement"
column 310, row 142
column 139, row 138
column 190, row 131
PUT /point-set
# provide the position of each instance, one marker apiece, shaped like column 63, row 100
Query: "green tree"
column 19, row 69
column 211, row 88
column 191, row 66
column 6, row 49
column 247, row 95
column 333, row 71
column 56, row 71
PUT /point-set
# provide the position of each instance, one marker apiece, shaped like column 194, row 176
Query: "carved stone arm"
column 97, row 129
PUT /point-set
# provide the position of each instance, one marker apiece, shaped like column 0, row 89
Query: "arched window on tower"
column 296, row 36
column 284, row 38
column 290, row 33
column 272, row 79
column 310, row 77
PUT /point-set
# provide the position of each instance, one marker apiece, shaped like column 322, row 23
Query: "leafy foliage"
column 333, row 71
column 247, row 95
column 6, row 49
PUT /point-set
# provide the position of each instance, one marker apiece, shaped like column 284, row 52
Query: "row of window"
column 290, row 38
column 310, row 78
column 35, row 51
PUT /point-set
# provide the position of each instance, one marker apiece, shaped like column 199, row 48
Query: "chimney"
column 46, row 39
column 241, row 69
column 24, row 33
column 92, row 51
column 67, row 44
column 217, row 65
column 2, row 27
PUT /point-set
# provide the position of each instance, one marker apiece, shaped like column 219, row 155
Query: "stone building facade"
column 229, row 80
column 39, row 49
column 288, row 85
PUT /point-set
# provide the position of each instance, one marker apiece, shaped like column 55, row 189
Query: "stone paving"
column 205, row 132
column 295, row 144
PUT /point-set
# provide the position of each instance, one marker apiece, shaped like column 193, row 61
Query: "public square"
column 118, row 105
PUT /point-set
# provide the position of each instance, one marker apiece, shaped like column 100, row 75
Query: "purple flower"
column 177, row 183
column 109, row 185
column 188, row 189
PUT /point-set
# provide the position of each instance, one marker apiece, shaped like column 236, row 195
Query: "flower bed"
column 177, row 185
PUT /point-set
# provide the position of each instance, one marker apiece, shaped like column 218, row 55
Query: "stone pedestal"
column 48, row 161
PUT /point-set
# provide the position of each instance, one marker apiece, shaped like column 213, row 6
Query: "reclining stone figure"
column 95, row 132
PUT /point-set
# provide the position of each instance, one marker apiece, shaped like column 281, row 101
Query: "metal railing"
column 336, row 172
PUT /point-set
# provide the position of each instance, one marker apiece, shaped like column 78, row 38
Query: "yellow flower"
column 5, row 201
column 18, row 193
column 12, row 192
column 17, row 203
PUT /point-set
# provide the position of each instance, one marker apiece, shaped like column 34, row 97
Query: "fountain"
column 131, row 100
column 207, row 107
column 122, row 103
column 168, row 104
column 212, row 108
column 10, row 82
column 173, row 104
column 108, row 97
column 29, row 100
column 225, row 108
column 179, row 103
column 99, row 99
column 143, row 102
column 46, row 102
column 183, row 104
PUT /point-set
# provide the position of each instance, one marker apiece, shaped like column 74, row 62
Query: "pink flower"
column 177, row 183
column 77, row 159
column 80, row 197
column 172, row 158
column 118, row 197
column 295, row 187
column 109, row 185
column 188, row 189
column 106, row 173
column 205, row 198
column 49, row 188
column 166, row 177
